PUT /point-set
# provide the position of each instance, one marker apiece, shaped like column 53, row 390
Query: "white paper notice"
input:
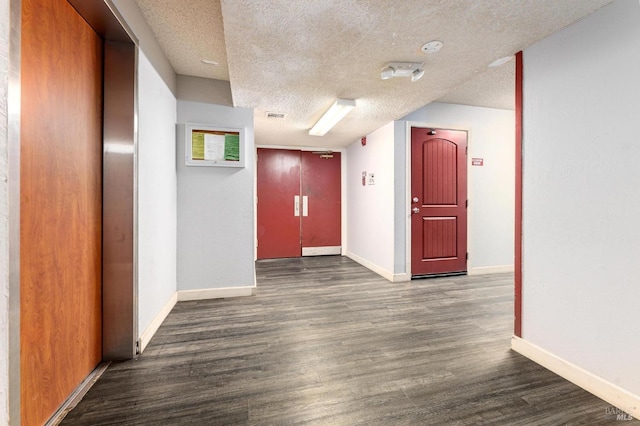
column 213, row 147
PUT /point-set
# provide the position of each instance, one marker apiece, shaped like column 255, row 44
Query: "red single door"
column 321, row 225
column 438, row 204
column 278, row 176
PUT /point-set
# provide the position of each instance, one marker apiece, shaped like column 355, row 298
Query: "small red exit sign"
column 477, row 161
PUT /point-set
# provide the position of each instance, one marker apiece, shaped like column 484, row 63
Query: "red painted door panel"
column 287, row 177
column 278, row 175
column 439, row 195
column 321, row 224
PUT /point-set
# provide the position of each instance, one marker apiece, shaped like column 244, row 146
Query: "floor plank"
column 327, row 342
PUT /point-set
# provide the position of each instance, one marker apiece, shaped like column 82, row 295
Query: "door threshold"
column 321, row 251
column 440, row 275
column 77, row 395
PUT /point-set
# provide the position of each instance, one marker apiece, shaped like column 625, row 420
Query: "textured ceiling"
column 296, row 57
column 492, row 88
column 189, row 31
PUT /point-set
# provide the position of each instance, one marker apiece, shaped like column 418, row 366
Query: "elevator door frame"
column 119, row 227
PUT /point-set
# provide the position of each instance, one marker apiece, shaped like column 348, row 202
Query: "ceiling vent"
column 276, row 115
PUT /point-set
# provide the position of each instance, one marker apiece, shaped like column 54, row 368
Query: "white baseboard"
column 603, row 389
column 379, row 270
column 484, row 270
column 215, row 293
column 403, row 277
column 150, row 331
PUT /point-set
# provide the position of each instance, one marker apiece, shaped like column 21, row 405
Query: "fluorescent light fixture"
column 338, row 110
column 500, row 61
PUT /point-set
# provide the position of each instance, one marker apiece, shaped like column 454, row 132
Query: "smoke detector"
column 432, row 46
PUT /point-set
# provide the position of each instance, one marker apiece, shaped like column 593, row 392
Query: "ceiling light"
column 210, row 62
column 417, row 75
column 338, row 110
column 432, row 46
column 501, row 61
column 387, row 73
column 402, row 69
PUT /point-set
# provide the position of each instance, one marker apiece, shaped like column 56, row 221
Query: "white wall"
column 491, row 187
column 383, row 207
column 581, row 203
column 205, row 90
column 215, row 207
column 4, row 217
column 370, row 208
column 157, row 193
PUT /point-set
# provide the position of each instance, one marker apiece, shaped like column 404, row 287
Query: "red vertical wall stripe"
column 517, row 328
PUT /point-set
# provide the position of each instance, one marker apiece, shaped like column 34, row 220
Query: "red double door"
column 299, row 206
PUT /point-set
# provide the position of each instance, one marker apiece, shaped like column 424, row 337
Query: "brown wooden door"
column 439, row 198
column 60, row 206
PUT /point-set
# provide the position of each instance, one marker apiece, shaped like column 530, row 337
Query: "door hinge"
column 467, row 256
column 466, row 203
column 138, row 347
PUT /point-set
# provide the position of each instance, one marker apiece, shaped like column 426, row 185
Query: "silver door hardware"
column 415, row 210
column 296, row 205
column 305, row 205
column 415, row 199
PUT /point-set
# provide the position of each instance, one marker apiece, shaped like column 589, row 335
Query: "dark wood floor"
column 327, row 342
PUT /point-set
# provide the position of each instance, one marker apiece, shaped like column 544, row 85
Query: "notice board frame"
column 228, row 133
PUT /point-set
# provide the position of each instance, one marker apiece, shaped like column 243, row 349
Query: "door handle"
column 415, row 199
column 296, row 205
column 415, row 210
column 305, row 205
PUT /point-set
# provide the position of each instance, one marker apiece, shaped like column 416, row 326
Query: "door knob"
column 415, row 210
column 415, row 199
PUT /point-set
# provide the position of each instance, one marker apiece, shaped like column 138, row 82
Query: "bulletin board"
column 206, row 145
